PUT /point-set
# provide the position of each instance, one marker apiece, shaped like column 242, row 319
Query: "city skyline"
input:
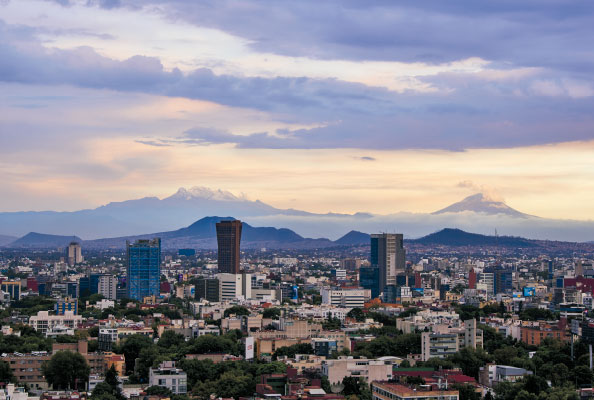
column 378, row 108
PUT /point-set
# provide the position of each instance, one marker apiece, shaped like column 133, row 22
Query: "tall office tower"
column 228, row 239
column 388, row 254
column 74, row 253
column 143, row 268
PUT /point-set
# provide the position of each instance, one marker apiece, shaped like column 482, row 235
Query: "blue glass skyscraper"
column 143, row 268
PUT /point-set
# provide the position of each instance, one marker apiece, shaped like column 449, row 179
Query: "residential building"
column 396, row 391
column 369, row 369
column 13, row 288
column 492, row 374
column 167, row 375
column 42, row 322
column 143, row 262
column 107, row 286
column 66, row 304
column 228, row 240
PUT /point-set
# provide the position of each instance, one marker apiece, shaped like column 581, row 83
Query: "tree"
column 236, row 310
column 156, row 390
column 583, row 375
column 357, row 314
column 131, row 349
column 171, row 339
column 466, row 392
column 5, row 372
column 66, row 370
column 331, row 324
column 291, row 351
column 273, row 312
column 470, row 360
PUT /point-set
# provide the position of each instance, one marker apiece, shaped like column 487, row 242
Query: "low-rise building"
column 167, row 375
column 370, row 370
column 43, row 321
column 395, row 391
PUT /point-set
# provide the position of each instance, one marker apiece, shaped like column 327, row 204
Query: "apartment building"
column 167, row 375
column 44, row 322
column 395, row 391
column 369, row 369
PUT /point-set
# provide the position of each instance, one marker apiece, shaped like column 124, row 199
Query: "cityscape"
column 296, row 200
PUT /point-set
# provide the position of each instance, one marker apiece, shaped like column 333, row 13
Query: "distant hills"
column 132, row 218
column 457, row 237
column 4, row 239
column 36, row 240
column 202, row 235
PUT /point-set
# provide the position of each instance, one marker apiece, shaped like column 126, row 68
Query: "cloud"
column 367, row 158
column 489, row 193
column 467, row 113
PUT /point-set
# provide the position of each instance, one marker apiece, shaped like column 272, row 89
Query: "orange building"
column 533, row 336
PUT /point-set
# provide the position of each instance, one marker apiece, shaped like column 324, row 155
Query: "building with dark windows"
column 208, row 288
column 388, row 254
column 369, row 278
column 229, row 239
column 143, row 267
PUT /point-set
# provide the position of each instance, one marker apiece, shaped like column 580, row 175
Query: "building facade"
column 143, row 260
column 388, row 254
column 228, row 240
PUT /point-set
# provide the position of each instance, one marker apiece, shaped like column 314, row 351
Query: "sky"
column 341, row 105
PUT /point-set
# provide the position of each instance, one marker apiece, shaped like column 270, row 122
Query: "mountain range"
column 477, row 213
column 202, row 235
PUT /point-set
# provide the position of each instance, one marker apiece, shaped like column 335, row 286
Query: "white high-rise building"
column 107, row 286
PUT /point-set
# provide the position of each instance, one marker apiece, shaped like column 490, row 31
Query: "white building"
column 234, row 286
column 42, row 322
column 345, row 297
column 107, row 287
column 167, row 375
column 371, row 370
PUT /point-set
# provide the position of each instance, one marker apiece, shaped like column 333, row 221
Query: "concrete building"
column 167, row 375
column 13, row 288
column 107, row 286
column 492, row 374
column 396, row 391
column 345, row 297
column 66, row 304
column 42, row 322
column 234, row 286
column 368, row 369
column 74, row 254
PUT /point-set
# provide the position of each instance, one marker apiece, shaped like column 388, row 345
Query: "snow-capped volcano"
column 481, row 203
column 201, row 192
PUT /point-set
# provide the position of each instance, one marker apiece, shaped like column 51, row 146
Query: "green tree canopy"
column 66, row 370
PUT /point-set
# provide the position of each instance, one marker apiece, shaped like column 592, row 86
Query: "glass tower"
column 143, row 268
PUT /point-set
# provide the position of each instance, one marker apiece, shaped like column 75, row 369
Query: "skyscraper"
column 143, row 268
column 228, row 239
column 388, row 254
column 74, row 254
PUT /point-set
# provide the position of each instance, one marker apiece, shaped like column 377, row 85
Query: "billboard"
column 529, row 291
column 295, row 293
column 249, row 348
